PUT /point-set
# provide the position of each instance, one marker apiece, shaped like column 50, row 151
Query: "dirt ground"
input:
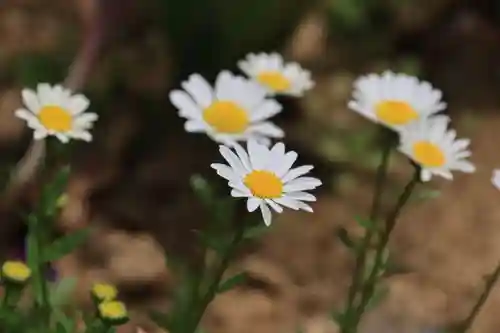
column 445, row 246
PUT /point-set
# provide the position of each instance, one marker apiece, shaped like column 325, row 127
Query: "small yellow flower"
column 113, row 312
column 104, row 292
column 16, row 271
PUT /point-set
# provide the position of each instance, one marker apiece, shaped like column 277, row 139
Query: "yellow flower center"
column 55, row 118
column 428, row 154
column 395, row 112
column 226, row 117
column 274, row 80
column 16, row 271
column 112, row 310
column 104, row 292
column 264, row 184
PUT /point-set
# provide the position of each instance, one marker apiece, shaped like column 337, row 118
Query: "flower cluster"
column 410, row 107
column 111, row 311
column 238, row 109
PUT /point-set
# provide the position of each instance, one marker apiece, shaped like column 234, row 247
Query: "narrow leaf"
column 65, row 245
column 67, row 323
column 62, row 291
column 377, row 298
column 232, row 282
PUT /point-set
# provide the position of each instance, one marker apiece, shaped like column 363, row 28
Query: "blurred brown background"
column 132, row 182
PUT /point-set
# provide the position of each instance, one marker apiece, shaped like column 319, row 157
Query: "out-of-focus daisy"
column 435, row 148
column 266, row 178
column 495, row 178
column 395, row 100
column 236, row 109
column 54, row 110
column 275, row 75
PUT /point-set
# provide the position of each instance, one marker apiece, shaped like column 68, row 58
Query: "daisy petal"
column 81, row 135
column 277, row 208
column 199, row 89
column 301, row 196
column 243, row 156
column 266, row 214
column 195, row 126
column 267, row 129
column 30, row 99
column 289, row 160
column 258, row 155
column 45, row 95
column 297, row 172
column 253, row 204
column 266, row 110
column 287, row 202
column 304, row 206
column 62, row 137
column 302, row 184
column 77, row 104
column 238, row 194
column 40, row 133
column 233, row 160
column 225, row 171
column 187, row 108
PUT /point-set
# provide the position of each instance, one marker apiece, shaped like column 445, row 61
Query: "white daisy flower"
column 395, row 100
column 435, row 148
column 277, row 77
column 495, row 178
column 236, row 109
column 265, row 177
column 54, row 110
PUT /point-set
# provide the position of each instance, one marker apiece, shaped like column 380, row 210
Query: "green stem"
column 36, row 235
column 490, row 282
column 217, row 277
column 365, row 242
column 6, row 297
column 369, row 286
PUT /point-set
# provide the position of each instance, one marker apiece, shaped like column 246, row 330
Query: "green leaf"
column 65, row 245
column 232, row 282
column 212, row 242
column 68, row 324
column 62, row 291
column 378, row 296
column 61, row 329
column 202, row 189
column 344, row 237
column 51, row 194
column 365, row 223
column 11, row 319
